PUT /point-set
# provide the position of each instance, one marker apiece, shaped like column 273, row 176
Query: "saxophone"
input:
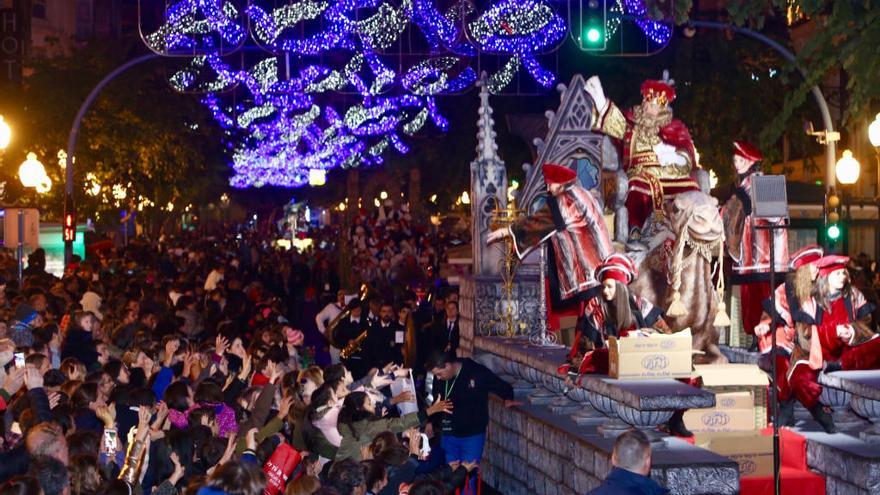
column 354, row 346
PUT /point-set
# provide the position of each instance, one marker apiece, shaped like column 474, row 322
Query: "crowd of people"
column 178, row 367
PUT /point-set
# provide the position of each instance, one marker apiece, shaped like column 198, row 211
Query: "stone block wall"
column 850, row 467
column 527, row 456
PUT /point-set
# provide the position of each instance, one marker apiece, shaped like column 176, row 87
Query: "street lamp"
column 5, row 134
column 874, row 137
column 32, row 173
column 847, row 169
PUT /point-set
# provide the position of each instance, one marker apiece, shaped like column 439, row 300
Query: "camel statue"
column 676, row 272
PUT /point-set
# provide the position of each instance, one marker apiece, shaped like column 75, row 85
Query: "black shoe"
column 832, row 366
column 822, row 415
column 754, row 346
column 675, row 425
column 786, row 413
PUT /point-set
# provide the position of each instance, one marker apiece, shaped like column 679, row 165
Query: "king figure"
column 657, row 151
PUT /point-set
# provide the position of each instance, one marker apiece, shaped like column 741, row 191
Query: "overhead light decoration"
column 278, row 119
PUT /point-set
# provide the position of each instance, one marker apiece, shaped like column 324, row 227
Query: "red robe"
column 857, row 353
column 577, row 231
column 650, row 182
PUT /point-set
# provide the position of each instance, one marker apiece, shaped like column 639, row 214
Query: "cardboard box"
column 652, row 357
column 728, row 378
column 720, row 420
column 753, row 451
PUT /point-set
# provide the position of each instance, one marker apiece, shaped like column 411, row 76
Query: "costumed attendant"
column 787, row 313
column 573, row 221
column 615, row 312
column 747, row 246
column 839, row 337
column 657, row 151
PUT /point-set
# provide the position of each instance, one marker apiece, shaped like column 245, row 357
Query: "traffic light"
column 594, row 17
column 69, row 227
column 833, row 228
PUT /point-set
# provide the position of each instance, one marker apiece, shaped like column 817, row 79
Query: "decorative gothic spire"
column 487, row 149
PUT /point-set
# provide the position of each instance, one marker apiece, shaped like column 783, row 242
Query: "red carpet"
column 795, row 477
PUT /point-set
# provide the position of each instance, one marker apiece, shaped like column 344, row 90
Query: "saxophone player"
column 349, row 329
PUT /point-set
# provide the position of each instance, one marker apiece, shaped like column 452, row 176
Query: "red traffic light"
column 69, row 228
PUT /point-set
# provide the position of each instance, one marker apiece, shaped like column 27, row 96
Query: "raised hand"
column 170, row 348
column 14, row 381
column 177, row 474
column 496, row 235
column 107, row 415
column 284, row 407
column 405, row 396
column 245, row 367
column 220, row 345
column 32, row 378
column 593, row 87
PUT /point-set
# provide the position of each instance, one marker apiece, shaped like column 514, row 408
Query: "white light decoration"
column 317, row 177
column 119, row 191
column 873, row 132
column 342, row 206
column 433, row 198
column 62, row 159
column 465, row 198
column 5, row 134
column 383, row 195
column 169, row 206
column 847, row 168
column 93, row 187
column 376, row 202
column 224, row 198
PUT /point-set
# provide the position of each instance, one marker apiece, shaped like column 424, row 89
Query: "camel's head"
column 698, row 212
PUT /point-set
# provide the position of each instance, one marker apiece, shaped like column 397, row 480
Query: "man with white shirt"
column 657, row 152
column 328, row 314
column 214, row 278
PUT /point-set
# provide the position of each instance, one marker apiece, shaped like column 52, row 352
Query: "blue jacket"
column 623, row 482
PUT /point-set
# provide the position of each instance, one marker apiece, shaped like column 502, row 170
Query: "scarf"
column 226, row 423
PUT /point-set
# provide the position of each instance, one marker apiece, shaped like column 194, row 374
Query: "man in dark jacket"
column 631, row 459
column 444, row 332
column 384, row 343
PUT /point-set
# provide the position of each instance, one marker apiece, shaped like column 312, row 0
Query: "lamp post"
column 874, row 137
column 5, row 134
column 31, row 173
column 847, row 171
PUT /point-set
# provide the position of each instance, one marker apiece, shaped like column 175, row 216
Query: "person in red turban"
column 748, row 246
column 838, row 336
column 573, row 221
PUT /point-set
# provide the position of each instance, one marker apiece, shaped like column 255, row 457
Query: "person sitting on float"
column 612, row 311
column 615, row 312
column 791, row 295
column 839, row 337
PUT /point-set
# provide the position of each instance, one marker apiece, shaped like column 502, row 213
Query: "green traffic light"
column 833, row 232
column 593, row 35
